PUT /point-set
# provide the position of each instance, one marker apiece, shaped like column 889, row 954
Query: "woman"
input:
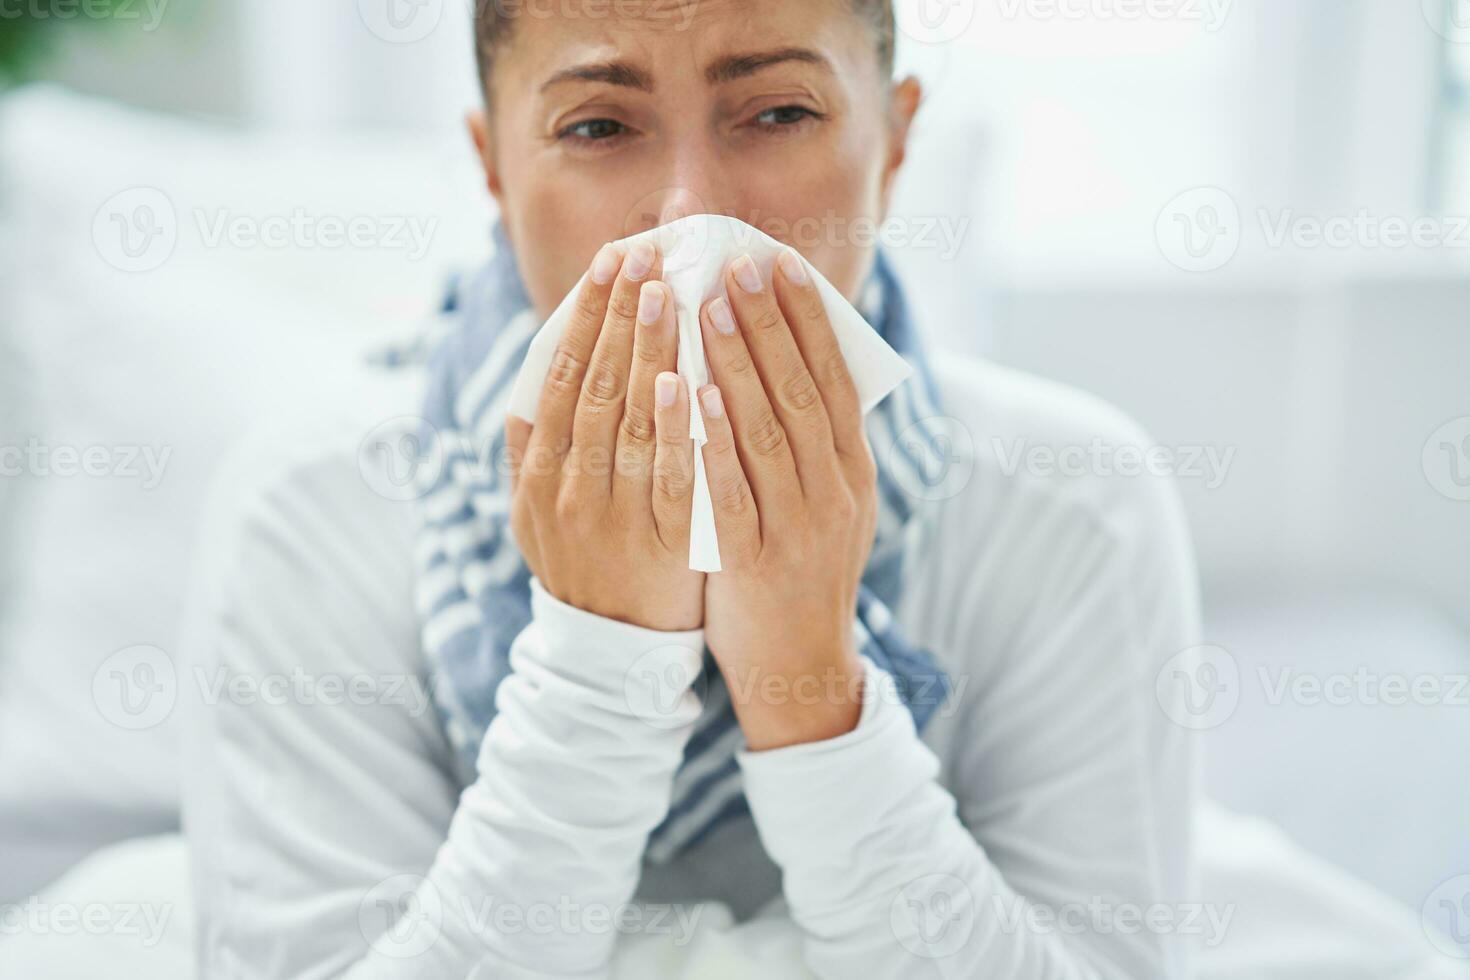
column 815, row 763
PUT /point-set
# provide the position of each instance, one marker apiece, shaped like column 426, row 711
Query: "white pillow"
column 176, row 361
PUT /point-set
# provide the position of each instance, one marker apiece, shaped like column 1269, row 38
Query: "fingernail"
column 666, row 389
column 792, row 267
column 650, row 303
column 747, row 275
column 605, row 266
column 721, row 317
column 714, row 405
column 640, row 261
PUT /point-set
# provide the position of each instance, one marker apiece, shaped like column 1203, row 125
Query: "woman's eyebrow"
column 608, row 72
column 727, row 69
column 743, row 65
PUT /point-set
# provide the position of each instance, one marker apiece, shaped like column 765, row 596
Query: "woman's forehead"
column 657, row 37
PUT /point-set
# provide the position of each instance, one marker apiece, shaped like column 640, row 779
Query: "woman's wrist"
column 778, row 709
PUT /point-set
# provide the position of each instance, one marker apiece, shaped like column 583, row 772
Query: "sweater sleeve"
column 1052, row 843
column 326, row 835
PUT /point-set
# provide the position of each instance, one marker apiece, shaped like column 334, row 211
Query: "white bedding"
column 1290, row 917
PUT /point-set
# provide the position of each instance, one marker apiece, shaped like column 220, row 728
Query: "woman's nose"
column 692, row 181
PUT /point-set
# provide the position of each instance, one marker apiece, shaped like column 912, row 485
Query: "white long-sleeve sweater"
column 1044, row 808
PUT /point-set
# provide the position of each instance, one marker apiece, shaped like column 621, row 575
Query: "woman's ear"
column 479, row 127
column 904, row 102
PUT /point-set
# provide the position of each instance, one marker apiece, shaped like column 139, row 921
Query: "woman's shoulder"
column 1047, row 492
column 1032, row 443
column 356, row 452
column 1053, row 556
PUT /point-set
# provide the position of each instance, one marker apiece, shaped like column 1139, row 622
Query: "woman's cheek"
column 558, row 229
column 825, row 205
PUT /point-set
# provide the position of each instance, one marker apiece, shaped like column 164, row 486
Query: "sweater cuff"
column 805, row 797
column 651, row 671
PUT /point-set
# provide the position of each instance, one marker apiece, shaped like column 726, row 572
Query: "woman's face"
column 609, row 118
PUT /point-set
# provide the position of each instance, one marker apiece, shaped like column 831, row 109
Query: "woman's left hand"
column 795, row 500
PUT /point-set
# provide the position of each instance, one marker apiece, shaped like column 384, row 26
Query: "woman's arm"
column 1065, row 839
column 327, row 840
column 326, row 833
column 1056, row 844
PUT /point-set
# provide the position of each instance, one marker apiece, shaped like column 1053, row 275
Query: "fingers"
column 673, row 466
column 654, row 351
column 789, row 384
column 522, row 525
column 759, row 437
column 559, row 395
column 517, row 437
column 737, row 521
column 807, row 315
column 605, row 387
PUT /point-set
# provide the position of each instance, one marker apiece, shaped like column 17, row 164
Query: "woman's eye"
column 784, row 117
column 593, row 130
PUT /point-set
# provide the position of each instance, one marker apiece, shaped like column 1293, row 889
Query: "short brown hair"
column 493, row 23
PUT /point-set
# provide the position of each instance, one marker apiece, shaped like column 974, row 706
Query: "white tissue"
column 696, row 251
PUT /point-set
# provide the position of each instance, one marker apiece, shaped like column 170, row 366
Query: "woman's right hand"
column 603, row 482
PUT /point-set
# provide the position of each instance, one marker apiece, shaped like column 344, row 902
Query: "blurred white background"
column 1142, row 190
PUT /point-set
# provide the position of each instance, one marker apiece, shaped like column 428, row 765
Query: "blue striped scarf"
column 473, row 587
